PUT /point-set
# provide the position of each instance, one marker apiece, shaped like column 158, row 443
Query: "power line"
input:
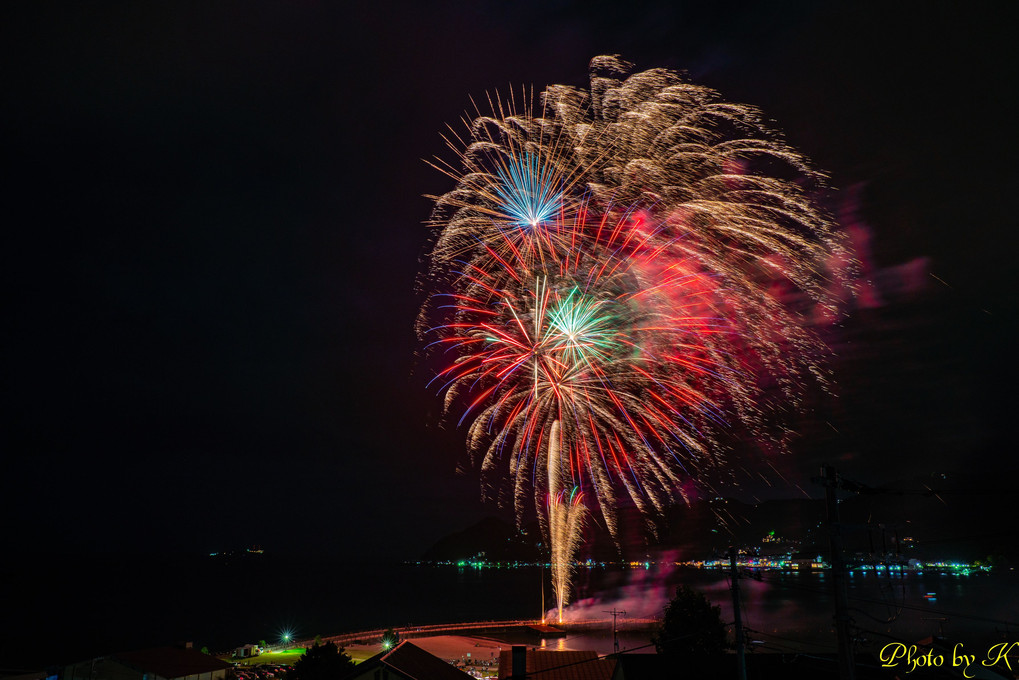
column 858, row 598
column 792, row 640
column 598, row 658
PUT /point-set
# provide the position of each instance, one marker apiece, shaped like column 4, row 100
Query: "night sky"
column 213, row 224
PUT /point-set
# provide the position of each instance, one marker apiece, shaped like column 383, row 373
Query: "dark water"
column 794, row 610
column 57, row 613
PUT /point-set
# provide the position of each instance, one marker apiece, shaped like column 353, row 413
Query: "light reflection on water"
column 794, row 610
column 227, row 605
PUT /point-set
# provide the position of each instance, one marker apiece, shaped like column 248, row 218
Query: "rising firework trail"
column 605, row 280
column 566, row 514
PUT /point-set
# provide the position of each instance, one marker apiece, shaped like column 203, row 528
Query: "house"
column 765, row 666
column 406, row 662
column 160, row 663
column 247, row 650
column 522, row 662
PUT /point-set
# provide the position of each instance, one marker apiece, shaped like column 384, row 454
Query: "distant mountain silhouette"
column 492, row 539
column 928, row 517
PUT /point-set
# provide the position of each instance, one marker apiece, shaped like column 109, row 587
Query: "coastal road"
column 407, row 632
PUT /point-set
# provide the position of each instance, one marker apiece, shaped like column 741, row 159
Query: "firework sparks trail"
column 566, row 514
column 607, row 269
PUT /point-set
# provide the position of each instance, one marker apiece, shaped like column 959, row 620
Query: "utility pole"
column 542, row 578
column 847, row 665
column 615, row 638
column 741, row 661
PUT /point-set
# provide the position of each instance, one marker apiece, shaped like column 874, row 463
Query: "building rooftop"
column 171, row 662
column 410, row 661
column 551, row 665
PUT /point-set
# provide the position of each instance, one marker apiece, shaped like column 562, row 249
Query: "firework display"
column 612, row 277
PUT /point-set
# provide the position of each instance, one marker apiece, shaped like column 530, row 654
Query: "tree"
column 691, row 626
column 322, row 662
